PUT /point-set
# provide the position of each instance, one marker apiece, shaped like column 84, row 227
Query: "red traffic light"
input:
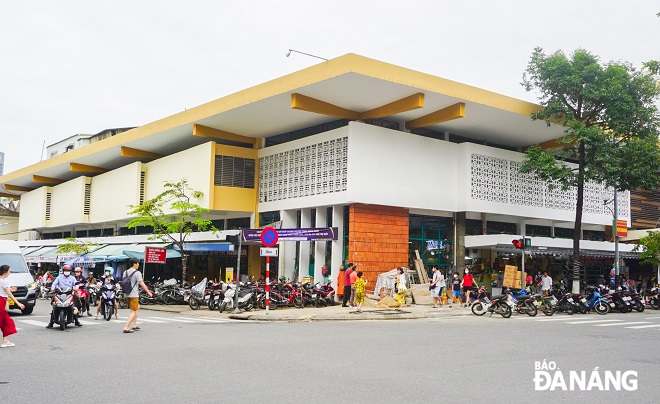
column 517, row 243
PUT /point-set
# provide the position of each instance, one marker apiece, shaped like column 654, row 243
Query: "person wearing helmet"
column 64, row 280
column 91, row 280
column 81, row 283
column 108, row 280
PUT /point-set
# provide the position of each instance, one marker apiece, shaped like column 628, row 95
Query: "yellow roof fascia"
column 349, row 63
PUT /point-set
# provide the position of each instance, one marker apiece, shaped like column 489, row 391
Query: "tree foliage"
column 75, row 246
column 173, row 216
column 648, row 248
column 611, row 125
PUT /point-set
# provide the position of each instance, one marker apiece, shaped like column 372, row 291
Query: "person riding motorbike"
column 81, row 282
column 108, row 280
column 64, row 280
column 91, row 280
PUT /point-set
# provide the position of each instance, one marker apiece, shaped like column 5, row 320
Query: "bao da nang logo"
column 547, row 376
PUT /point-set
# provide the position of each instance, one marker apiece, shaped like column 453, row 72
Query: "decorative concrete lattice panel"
column 320, row 168
column 496, row 179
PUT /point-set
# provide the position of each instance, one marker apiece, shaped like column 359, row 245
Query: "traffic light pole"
column 522, row 264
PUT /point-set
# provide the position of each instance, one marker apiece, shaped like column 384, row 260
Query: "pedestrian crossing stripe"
column 34, row 322
column 631, row 323
column 591, row 321
column 172, row 319
column 645, row 326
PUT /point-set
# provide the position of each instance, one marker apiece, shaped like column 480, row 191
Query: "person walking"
column 353, row 277
column 401, row 288
column 455, row 289
column 437, row 287
column 359, row 286
column 7, row 325
column 546, row 283
column 468, row 283
column 133, row 297
column 347, row 285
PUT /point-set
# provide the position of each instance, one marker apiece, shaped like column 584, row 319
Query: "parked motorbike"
column 594, row 301
column 63, row 307
column 619, row 301
column 498, row 305
column 326, row 292
column 245, row 299
column 547, row 304
column 654, row 298
column 108, row 294
column 198, row 296
column 523, row 303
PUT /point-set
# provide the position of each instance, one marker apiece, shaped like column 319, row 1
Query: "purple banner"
column 310, row 234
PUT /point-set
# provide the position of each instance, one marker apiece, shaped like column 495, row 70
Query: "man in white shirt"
column 546, row 283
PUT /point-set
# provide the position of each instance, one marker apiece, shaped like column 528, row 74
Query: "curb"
column 390, row 316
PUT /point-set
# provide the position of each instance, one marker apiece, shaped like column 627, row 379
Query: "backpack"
column 126, row 284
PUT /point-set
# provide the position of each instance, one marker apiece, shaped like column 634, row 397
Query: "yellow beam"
column 83, row 168
column 446, row 114
column 140, row 154
column 309, row 104
column 405, row 104
column 205, row 131
column 10, row 196
column 9, row 187
column 46, row 180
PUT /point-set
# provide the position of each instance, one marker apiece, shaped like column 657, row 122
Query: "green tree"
column 183, row 217
column 649, row 250
column 75, row 246
column 611, row 126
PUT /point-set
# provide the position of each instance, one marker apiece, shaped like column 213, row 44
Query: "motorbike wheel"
column 109, row 311
column 655, row 304
column 169, row 298
column 62, row 320
column 548, row 311
column 193, row 303
column 478, row 309
column 568, row 309
column 222, row 306
column 601, row 308
column 123, row 303
column 248, row 306
column 298, row 301
column 144, row 299
column 505, row 310
column 532, row 310
column 639, row 306
column 211, row 304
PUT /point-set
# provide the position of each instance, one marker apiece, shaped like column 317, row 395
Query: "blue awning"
column 206, row 247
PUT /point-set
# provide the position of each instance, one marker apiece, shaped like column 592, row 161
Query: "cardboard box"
column 511, row 268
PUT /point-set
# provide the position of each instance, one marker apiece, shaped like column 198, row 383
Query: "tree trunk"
column 578, row 221
column 184, row 266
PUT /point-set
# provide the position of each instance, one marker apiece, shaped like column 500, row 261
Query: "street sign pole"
column 268, row 238
column 238, row 272
column 267, row 283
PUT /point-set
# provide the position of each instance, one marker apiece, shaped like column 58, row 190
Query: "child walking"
column 360, row 285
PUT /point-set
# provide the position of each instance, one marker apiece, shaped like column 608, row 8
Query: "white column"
column 319, row 251
column 337, row 246
column 305, row 222
column 287, row 260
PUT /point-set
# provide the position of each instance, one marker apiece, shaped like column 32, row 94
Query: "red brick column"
column 377, row 239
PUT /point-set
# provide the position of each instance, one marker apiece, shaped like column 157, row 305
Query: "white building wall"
column 193, row 164
column 113, row 192
column 394, row 168
column 67, row 203
column 33, row 209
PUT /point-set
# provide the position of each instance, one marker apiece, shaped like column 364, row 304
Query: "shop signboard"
column 154, row 255
column 305, row 234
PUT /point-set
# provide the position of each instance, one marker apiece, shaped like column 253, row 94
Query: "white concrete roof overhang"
column 351, row 82
column 546, row 245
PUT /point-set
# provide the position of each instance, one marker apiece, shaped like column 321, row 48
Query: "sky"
column 69, row 67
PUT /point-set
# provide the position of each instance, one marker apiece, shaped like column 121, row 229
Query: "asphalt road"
column 191, row 359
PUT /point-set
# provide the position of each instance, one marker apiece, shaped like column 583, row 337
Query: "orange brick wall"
column 377, row 239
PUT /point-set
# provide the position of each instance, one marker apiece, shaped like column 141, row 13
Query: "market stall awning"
column 206, row 247
column 110, row 252
column 47, row 254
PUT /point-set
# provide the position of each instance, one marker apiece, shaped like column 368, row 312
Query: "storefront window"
column 266, row 218
column 432, row 237
column 538, row 231
column 561, row 232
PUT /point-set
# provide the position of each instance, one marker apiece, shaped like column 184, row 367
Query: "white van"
column 19, row 278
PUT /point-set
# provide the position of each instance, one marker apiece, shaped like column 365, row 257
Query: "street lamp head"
column 288, row 53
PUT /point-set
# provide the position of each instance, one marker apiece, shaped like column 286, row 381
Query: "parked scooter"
column 654, row 298
column 483, row 304
column 245, row 299
column 523, row 303
column 594, row 301
column 64, row 311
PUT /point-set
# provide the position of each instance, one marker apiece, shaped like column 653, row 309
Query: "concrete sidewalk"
column 331, row 313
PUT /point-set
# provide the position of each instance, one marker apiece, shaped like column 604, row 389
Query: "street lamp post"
column 615, row 217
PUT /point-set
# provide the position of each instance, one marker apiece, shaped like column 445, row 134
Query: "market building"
column 397, row 160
